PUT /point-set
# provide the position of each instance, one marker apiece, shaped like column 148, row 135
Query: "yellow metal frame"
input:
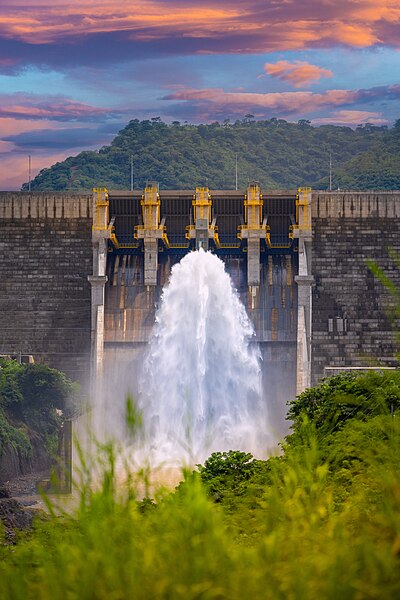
column 113, row 238
column 118, row 245
column 254, row 200
column 202, row 204
column 151, row 219
column 101, row 219
column 164, row 237
column 179, row 246
column 190, row 228
column 150, row 198
column 101, row 210
column 306, row 216
column 216, row 237
column 279, row 246
column 306, row 208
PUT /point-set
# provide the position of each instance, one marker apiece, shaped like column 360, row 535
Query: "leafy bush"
column 228, row 475
column 14, row 437
column 346, row 396
column 36, row 399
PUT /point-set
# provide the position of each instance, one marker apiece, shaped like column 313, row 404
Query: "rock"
column 25, row 485
column 12, row 514
column 4, row 493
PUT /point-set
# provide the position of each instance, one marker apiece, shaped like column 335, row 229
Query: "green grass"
column 302, row 541
column 322, row 521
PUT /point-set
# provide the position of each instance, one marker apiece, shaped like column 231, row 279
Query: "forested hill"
column 275, row 152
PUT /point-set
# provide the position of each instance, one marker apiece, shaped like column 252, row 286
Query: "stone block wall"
column 46, row 257
column 350, row 326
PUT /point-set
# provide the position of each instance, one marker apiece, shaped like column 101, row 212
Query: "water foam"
column 201, row 387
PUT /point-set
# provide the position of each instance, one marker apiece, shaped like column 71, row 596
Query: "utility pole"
column 236, row 172
column 330, row 171
column 132, row 179
column 29, row 172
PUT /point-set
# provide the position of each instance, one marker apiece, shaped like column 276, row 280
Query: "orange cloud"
column 218, row 26
column 48, row 22
column 297, row 73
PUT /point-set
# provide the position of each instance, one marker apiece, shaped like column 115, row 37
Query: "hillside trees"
column 274, row 152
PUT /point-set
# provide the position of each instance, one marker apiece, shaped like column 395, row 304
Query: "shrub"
column 346, row 396
column 34, row 399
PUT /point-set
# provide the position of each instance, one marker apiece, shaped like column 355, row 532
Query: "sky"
column 75, row 72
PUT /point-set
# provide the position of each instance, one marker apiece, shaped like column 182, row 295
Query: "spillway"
column 201, row 384
column 271, row 306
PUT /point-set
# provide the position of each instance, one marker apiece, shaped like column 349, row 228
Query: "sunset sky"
column 73, row 73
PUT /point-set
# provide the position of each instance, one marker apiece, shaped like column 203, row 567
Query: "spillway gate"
column 139, row 236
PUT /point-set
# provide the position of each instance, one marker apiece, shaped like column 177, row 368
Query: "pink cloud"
column 351, row 117
column 297, row 73
column 7, row 62
column 14, row 167
column 46, row 127
column 213, row 102
column 24, row 106
column 5, row 147
column 10, row 126
column 271, row 103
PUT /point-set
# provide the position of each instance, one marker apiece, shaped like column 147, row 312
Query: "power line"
column 132, row 174
column 236, row 171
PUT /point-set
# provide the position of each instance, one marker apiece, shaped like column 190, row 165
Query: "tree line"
column 274, row 152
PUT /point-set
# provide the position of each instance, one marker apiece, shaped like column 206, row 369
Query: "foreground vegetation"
column 274, row 152
column 34, row 401
column 321, row 520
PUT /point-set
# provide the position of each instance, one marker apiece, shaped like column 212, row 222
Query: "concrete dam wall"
column 351, row 324
column 81, row 275
column 46, row 257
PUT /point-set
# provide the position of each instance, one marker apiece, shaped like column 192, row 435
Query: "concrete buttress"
column 305, row 281
column 100, row 236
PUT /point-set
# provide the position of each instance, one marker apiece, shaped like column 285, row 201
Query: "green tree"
column 336, row 400
column 274, row 152
column 34, row 401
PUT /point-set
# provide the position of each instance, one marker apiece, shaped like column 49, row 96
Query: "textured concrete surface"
column 351, row 326
column 45, row 298
column 46, row 257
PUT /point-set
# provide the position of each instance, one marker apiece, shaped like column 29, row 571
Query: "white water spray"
column 201, row 388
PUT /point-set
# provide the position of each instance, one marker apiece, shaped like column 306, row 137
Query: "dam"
column 152, row 231
column 82, row 275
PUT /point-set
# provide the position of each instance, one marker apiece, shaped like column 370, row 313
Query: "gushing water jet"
column 201, row 386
